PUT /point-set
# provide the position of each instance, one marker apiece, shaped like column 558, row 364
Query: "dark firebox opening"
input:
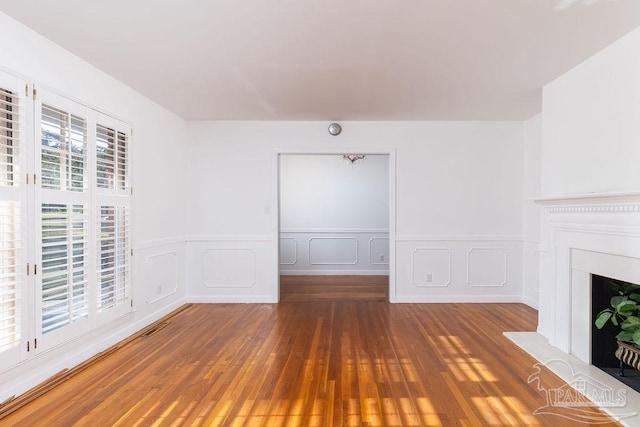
column 603, row 341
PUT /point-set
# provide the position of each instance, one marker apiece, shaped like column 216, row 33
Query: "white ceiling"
column 334, row 59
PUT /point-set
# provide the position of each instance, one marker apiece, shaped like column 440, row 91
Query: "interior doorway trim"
column 275, row 204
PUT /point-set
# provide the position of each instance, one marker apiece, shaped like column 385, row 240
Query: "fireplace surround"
column 583, row 235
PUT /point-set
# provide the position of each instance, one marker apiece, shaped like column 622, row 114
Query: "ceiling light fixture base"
column 335, row 129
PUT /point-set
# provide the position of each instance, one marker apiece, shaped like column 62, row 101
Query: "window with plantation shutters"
column 65, row 217
column 113, row 259
column 11, row 220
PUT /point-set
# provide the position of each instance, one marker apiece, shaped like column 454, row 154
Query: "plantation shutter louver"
column 64, row 276
column 9, row 136
column 63, row 150
column 113, row 262
column 111, row 158
column 112, row 199
column 10, row 280
column 64, row 225
column 11, row 227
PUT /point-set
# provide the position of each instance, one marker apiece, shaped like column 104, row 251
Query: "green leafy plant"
column 624, row 312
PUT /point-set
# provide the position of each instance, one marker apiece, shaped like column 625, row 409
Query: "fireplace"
column 582, row 237
column 593, row 234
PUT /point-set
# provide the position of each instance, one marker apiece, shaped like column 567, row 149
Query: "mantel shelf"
column 589, row 199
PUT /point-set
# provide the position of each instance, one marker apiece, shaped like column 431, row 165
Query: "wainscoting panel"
column 288, row 251
column 431, row 267
column 487, row 267
column 458, row 269
column 159, row 272
column 379, row 251
column 334, row 252
column 228, row 268
column 233, row 269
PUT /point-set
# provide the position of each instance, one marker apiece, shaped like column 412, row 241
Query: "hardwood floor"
column 322, row 363
column 334, row 288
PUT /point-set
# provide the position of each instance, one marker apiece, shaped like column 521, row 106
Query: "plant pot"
column 628, row 354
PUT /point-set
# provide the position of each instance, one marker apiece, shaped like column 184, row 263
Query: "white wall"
column 334, row 214
column 327, row 192
column 591, row 124
column 458, row 216
column 158, row 201
column 532, row 140
column 590, row 144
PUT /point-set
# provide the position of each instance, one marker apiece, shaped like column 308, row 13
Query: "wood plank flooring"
column 334, row 288
column 319, row 363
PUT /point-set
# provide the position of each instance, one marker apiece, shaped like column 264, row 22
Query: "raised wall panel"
column 288, row 251
column 431, row 267
column 487, row 267
column 225, row 269
column 473, row 269
column 161, row 275
column 379, row 251
column 228, row 268
column 333, row 251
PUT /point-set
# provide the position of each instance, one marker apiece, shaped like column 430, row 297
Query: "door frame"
column 275, row 205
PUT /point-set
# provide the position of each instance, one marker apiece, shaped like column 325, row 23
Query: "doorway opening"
column 335, row 226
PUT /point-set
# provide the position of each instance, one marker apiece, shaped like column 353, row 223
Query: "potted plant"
column 624, row 312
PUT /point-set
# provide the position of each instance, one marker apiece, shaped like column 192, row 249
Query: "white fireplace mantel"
column 596, row 199
column 603, row 228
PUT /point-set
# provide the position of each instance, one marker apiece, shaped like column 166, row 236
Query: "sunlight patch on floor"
column 470, row 369
column 429, row 415
column 503, row 410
